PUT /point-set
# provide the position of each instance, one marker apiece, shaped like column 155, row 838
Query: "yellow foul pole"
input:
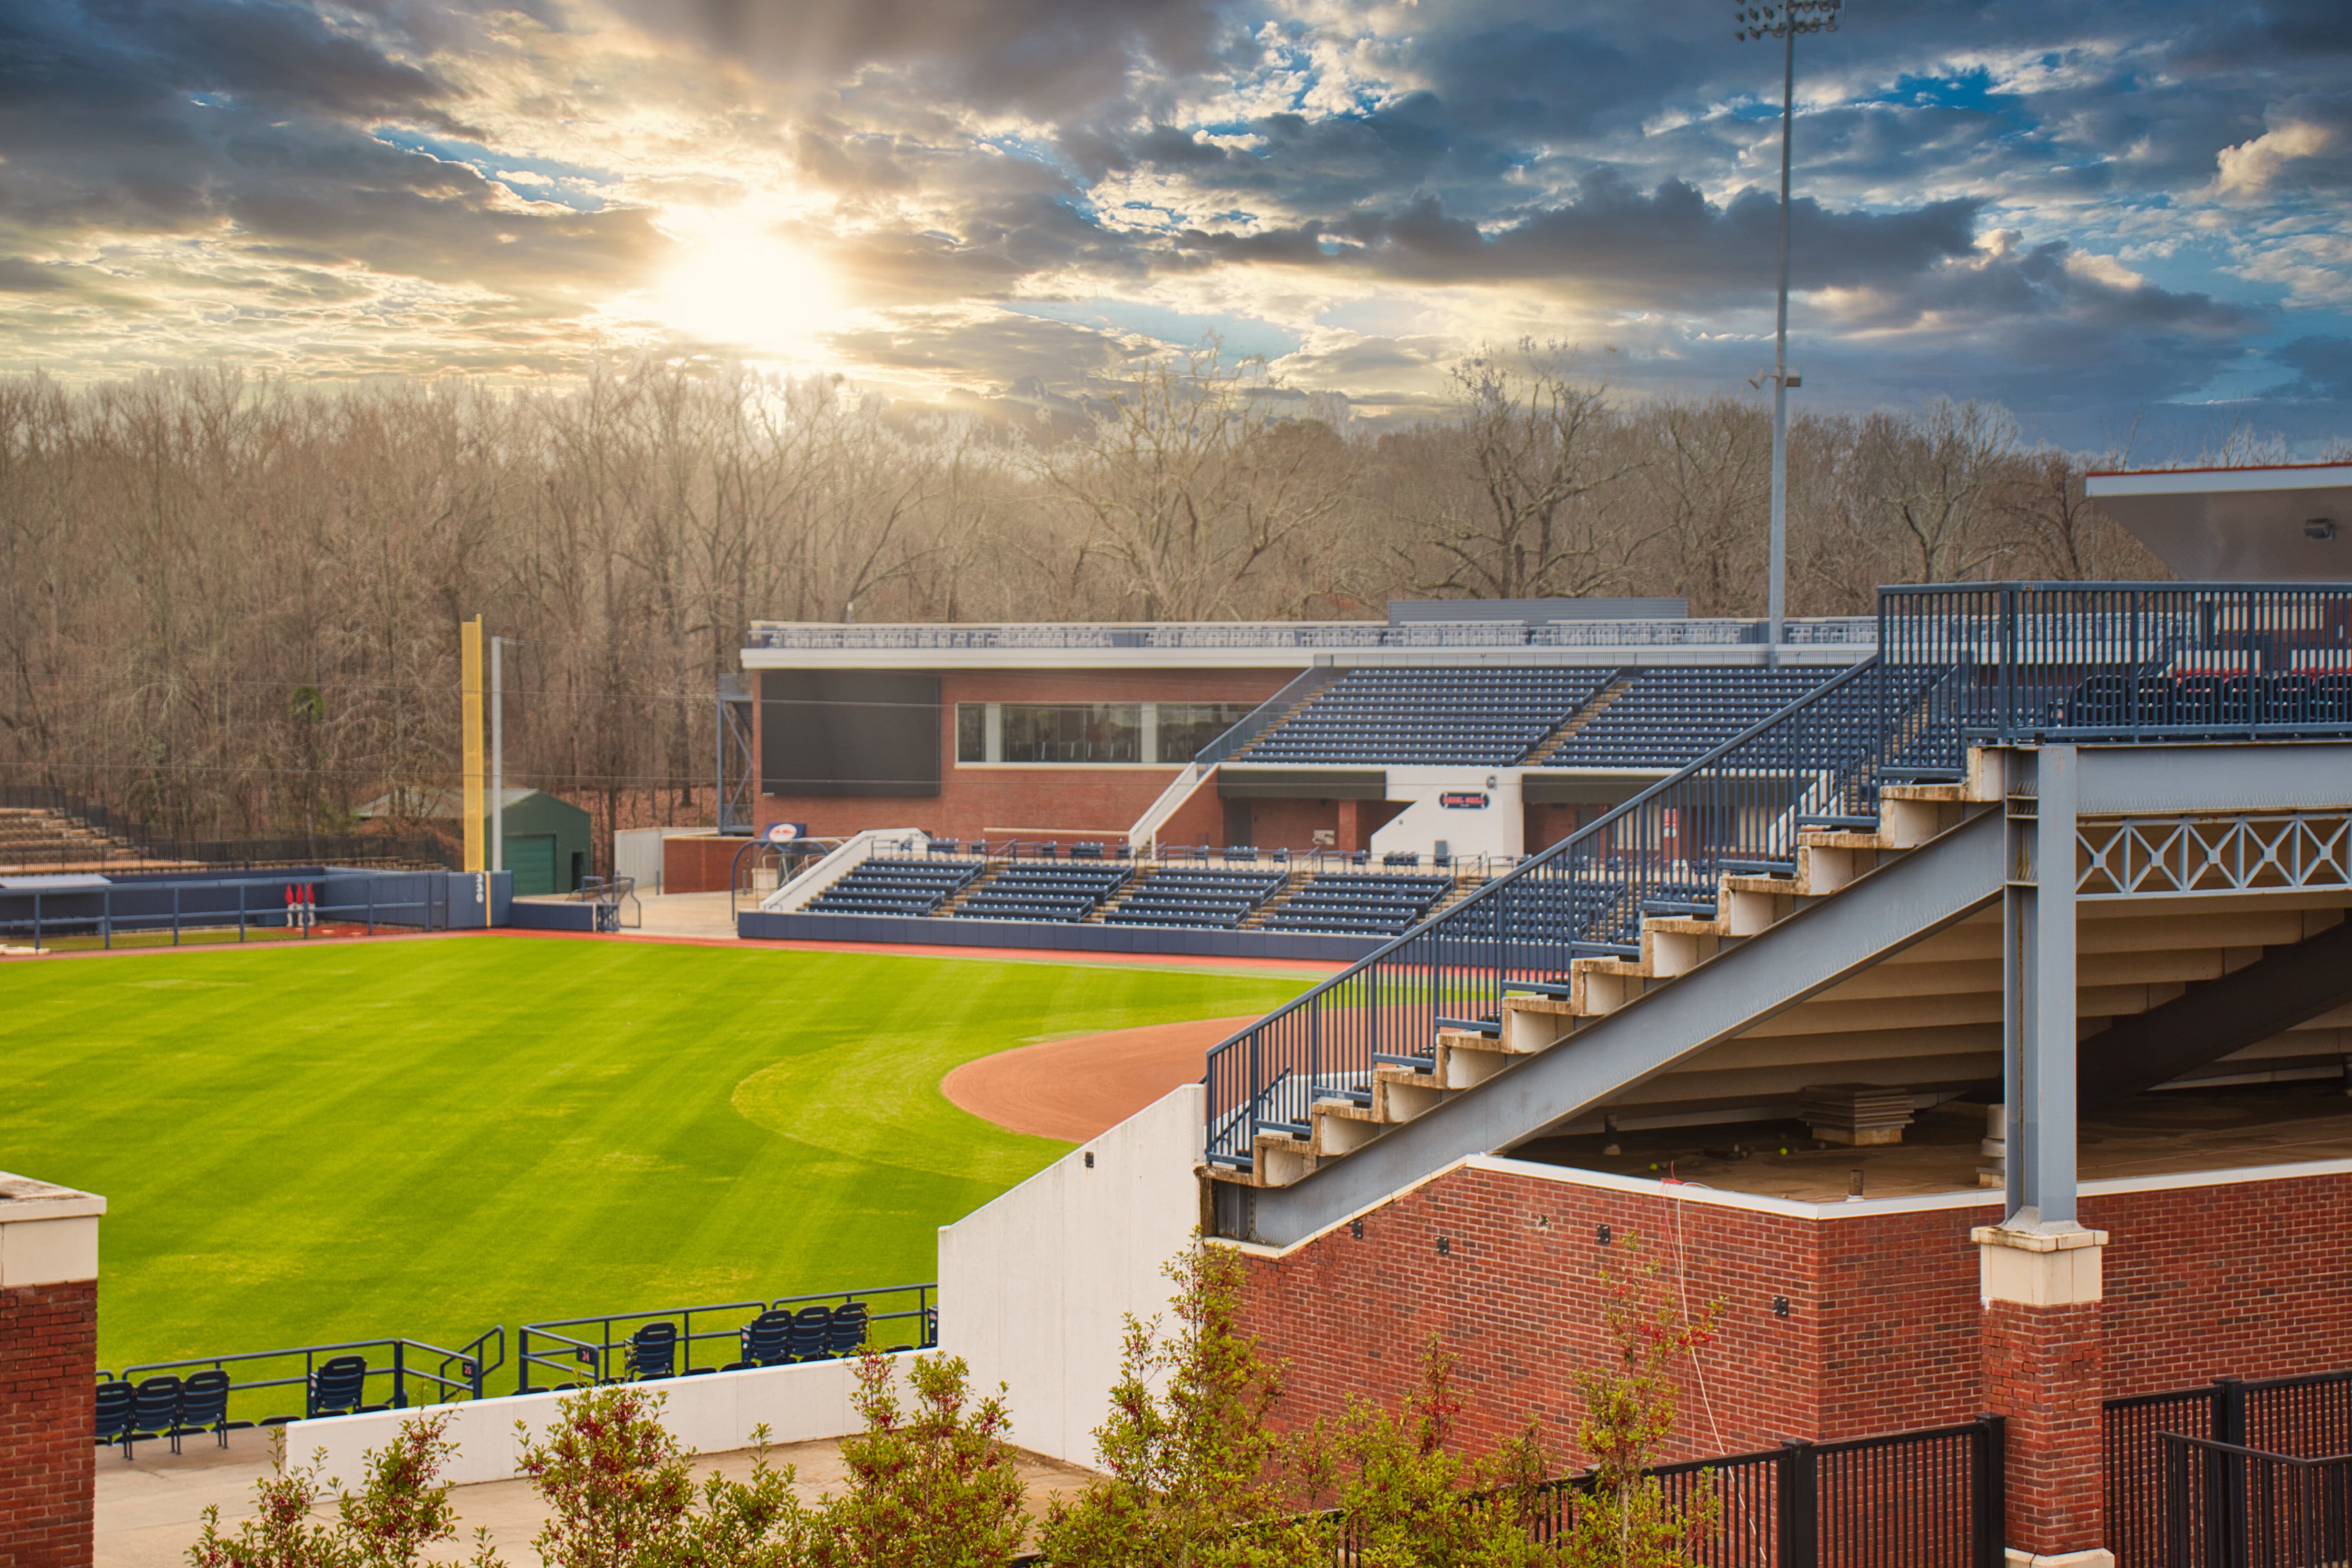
column 471, row 662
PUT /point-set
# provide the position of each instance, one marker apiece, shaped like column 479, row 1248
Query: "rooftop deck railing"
column 1836, row 631
column 2007, row 664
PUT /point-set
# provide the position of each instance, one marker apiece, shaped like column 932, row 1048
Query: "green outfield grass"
column 300, row 1145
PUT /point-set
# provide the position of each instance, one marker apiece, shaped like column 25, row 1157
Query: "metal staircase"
column 1812, row 900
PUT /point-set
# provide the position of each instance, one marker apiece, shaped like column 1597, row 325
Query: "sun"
column 738, row 283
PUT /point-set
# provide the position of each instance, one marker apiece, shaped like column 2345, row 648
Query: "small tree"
column 401, row 1508
column 932, row 1485
column 1196, row 1474
column 1410, row 1501
column 1628, row 1522
column 616, row 1484
column 758, row 1523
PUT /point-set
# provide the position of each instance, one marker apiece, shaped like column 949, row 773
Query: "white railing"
column 1841, row 631
column 845, row 857
column 1146, row 831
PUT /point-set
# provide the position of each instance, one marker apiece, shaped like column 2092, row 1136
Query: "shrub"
column 931, row 1484
column 617, row 1485
column 1196, row 1478
column 401, row 1508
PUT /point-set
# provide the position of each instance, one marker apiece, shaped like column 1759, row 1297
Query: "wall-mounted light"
column 1779, row 1306
column 1444, row 1246
column 2319, row 529
column 1090, row 1159
column 1355, row 1229
column 1601, row 1235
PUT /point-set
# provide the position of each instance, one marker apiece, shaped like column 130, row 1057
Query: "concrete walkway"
column 150, row 1509
column 687, row 914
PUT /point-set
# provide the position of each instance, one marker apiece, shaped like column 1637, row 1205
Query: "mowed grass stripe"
column 303, row 1145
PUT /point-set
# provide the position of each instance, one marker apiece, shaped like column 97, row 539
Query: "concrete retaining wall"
column 709, row 1415
column 1034, row 1286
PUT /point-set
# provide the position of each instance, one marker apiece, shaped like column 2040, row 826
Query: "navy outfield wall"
column 763, row 925
column 163, row 901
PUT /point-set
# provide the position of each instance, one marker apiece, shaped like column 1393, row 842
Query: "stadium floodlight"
column 1783, row 20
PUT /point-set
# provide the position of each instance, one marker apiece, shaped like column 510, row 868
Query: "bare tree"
column 1533, row 444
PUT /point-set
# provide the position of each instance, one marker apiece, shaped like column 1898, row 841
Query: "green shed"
column 548, row 841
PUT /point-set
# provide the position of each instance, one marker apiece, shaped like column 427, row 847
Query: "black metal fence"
column 2294, row 1421
column 1928, row 1498
column 563, row 1351
column 2228, row 1506
column 270, row 1387
column 131, row 843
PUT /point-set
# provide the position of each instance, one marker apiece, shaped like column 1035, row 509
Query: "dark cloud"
column 1670, row 246
column 1042, row 56
column 2325, row 367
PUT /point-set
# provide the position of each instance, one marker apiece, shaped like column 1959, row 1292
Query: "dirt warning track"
column 1072, row 1089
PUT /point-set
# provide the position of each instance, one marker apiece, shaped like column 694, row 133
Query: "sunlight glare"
column 742, row 286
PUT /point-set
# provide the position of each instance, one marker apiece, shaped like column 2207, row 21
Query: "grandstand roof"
column 2287, row 523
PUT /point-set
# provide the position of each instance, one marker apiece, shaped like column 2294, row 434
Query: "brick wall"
column 48, row 1354
column 1092, row 802
column 699, row 865
column 2042, row 1369
column 1884, row 1328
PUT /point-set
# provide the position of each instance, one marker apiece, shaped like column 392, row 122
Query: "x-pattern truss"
column 2143, row 856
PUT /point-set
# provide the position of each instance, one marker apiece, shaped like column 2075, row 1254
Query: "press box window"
column 1186, row 727
column 1027, row 732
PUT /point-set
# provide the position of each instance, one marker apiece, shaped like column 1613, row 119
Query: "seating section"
column 1216, row 899
column 1043, row 891
column 1668, row 718
column 1359, row 905
column 1475, row 716
column 895, row 886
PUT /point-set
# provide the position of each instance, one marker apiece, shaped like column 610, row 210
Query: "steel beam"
column 2151, row 781
column 2038, row 987
column 1927, row 890
column 2287, row 987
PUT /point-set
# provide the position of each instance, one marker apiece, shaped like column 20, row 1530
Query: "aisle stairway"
column 1845, row 930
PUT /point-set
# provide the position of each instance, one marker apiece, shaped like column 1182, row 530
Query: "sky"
column 2128, row 221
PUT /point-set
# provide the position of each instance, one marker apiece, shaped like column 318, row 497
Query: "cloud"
column 2325, row 364
column 2306, row 150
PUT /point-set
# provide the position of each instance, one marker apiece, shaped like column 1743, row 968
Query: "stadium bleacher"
column 895, row 886
column 1217, row 900
column 1043, row 890
column 1475, row 716
column 1666, row 718
column 1355, row 903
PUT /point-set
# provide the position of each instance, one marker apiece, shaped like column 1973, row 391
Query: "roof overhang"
column 2237, row 525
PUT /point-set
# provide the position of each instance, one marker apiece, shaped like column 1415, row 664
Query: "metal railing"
column 592, row 1350
column 2230, row 1506
column 1816, row 763
column 1835, row 631
column 2292, row 1420
column 2021, row 663
column 1928, row 1498
column 409, row 1372
column 247, row 905
column 615, row 899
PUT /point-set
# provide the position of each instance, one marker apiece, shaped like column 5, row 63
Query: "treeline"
column 229, row 605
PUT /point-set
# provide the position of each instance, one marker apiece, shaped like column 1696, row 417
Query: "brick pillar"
column 2043, row 1351
column 48, row 1356
column 1351, row 833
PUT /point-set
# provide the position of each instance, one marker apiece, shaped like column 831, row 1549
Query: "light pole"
column 1783, row 20
column 498, row 755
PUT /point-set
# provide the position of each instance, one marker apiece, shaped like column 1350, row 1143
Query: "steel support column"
column 2038, row 990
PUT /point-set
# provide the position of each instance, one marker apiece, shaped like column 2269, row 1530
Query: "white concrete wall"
column 1034, row 1287
column 1497, row 828
column 709, row 1415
